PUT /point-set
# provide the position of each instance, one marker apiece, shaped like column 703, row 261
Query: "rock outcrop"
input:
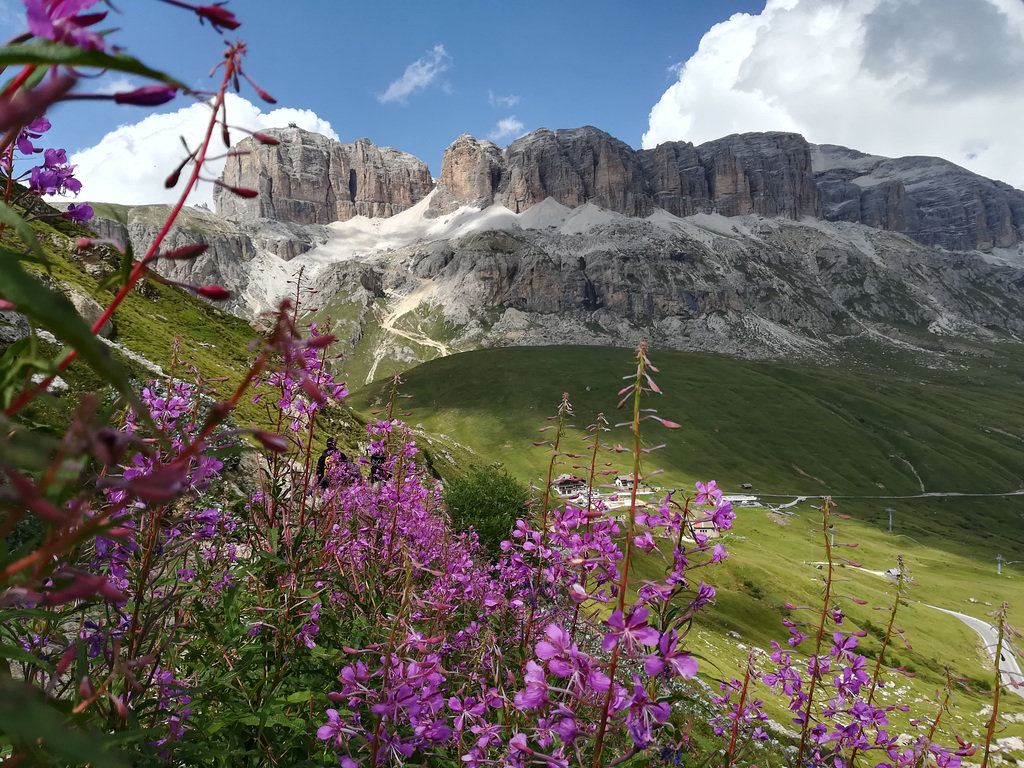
column 931, row 200
column 741, row 286
column 311, row 179
column 765, row 173
column 238, row 258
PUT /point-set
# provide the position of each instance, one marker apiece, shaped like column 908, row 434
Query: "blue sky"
column 893, row 77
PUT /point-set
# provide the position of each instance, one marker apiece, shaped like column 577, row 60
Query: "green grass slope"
column 865, row 438
column 785, row 429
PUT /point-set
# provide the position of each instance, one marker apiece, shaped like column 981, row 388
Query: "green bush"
column 489, row 500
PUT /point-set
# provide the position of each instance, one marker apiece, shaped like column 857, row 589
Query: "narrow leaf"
column 55, row 313
column 47, row 53
column 13, row 219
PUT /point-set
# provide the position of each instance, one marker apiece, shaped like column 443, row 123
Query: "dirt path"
column 408, row 303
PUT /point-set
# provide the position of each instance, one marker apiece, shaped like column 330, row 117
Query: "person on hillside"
column 378, row 467
column 329, row 463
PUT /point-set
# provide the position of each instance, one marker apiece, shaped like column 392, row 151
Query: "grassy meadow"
column 865, row 438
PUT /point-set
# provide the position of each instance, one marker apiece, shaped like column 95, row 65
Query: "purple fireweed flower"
column 678, row 662
column 558, row 644
column 33, row 130
column 81, row 212
column 709, row 493
column 633, row 632
column 466, row 710
column 55, row 157
column 333, row 729
column 705, row 595
column 55, row 180
column 718, row 554
column 723, row 516
column 57, row 20
column 843, row 647
column 643, row 714
column 536, row 691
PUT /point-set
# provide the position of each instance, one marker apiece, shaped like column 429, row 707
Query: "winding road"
column 1010, row 674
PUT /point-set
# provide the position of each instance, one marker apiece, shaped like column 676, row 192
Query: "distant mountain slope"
column 755, row 245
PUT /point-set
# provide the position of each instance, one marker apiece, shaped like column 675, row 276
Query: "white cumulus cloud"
column 417, row 75
column 510, row 126
column 129, row 164
column 888, row 77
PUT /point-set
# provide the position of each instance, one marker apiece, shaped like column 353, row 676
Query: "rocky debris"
column 311, row 179
column 741, row 286
column 88, row 308
column 235, row 254
column 13, row 327
column 929, row 199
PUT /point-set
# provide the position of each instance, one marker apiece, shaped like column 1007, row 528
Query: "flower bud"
column 6, row 305
column 66, row 659
column 312, row 390
column 188, row 252
column 147, row 95
column 85, row 688
column 271, row 441
column 241, row 191
column 161, row 485
column 213, row 292
column 319, row 342
column 122, row 710
column 263, row 138
column 108, row 445
column 218, row 16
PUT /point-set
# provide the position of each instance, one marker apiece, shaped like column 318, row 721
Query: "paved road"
column 1009, row 672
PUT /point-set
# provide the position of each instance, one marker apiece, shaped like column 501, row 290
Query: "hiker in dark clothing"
column 329, row 462
column 378, row 470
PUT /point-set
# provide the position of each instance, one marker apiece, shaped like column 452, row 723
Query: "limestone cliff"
column 768, row 174
column 931, row 200
column 311, row 179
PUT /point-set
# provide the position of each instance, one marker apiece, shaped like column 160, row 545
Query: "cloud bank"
column 888, row 77
column 417, row 75
column 129, row 164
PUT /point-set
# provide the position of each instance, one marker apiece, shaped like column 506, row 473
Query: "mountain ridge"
column 525, row 246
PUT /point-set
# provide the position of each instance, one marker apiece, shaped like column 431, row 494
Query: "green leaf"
column 8, row 651
column 30, row 82
column 55, row 313
column 299, row 697
column 13, row 219
column 49, row 53
column 27, row 721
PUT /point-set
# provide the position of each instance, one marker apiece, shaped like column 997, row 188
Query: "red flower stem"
column 821, row 634
column 19, row 80
column 624, row 576
column 563, row 408
column 739, row 711
column 990, row 730
column 139, row 270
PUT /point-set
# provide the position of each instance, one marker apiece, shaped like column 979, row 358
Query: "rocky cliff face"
column 768, row 174
column 311, row 179
column 931, row 200
column 743, row 286
column 246, row 259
